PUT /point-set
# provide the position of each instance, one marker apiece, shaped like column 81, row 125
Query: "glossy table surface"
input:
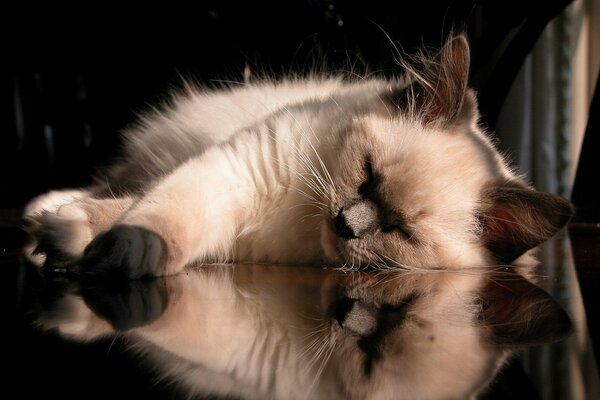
column 68, row 337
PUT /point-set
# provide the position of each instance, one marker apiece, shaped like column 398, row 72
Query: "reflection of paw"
column 125, row 251
column 70, row 316
column 127, row 304
column 57, row 237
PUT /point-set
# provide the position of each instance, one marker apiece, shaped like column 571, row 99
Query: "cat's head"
column 418, row 182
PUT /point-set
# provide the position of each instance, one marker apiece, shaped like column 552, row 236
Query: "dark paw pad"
column 124, row 251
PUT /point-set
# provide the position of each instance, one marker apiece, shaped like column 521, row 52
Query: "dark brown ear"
column 517, row 219
column 519, row 313
column 439, row 84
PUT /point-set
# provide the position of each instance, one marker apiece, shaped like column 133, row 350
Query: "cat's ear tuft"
column 515, row 219
column 438, row 91
column 519, row 313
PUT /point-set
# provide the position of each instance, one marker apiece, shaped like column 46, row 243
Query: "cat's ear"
column 515, row 219
column 519, row 313
column 438, row 93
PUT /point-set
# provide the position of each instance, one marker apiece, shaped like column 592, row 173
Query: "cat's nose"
column 341, row 226
column 355, row 221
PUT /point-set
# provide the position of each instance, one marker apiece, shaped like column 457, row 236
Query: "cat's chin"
column 329, row 242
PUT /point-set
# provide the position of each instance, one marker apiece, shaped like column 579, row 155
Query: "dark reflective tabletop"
column 288, row 332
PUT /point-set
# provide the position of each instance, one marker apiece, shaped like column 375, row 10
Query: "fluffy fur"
column 393, row 175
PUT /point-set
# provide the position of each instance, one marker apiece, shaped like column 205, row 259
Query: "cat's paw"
column 57, row 237
column 125, row 251
column 34, row 219
column 51, row 201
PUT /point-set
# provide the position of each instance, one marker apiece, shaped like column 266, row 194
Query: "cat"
column 280, row 332
column 388, row 175
column 317, row 170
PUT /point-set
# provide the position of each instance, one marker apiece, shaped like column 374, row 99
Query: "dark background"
column 76, row 77
column 73, row 78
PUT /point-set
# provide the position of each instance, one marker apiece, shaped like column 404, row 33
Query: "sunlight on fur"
column 393, row 176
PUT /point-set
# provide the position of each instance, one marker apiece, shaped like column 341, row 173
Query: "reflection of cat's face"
column 413, row 336
column 255, row 331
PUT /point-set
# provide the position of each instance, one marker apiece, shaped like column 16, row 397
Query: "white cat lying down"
column 373, row 174
column 321, row 171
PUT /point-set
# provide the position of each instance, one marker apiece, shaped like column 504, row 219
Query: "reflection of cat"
column 312, row 171
column 266, row 332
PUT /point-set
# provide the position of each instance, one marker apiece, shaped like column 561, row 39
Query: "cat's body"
column 273, row 177
column 385, row 174
column 307, row 171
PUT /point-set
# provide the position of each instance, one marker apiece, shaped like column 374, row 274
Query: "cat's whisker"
column 307, row 216
column 328, row 349
column 110, row 346
column 308, row 162
column 315, row 349
column 313, row 336
column 324, row 345
column 323, row 167
column 318, row 185
column 309, row 183
column 311, row 170
column 310, row 204
column 397, row 265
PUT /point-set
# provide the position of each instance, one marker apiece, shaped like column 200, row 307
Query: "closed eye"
column 389, row 228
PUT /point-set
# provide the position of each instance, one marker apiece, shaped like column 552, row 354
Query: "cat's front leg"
column 192, row 214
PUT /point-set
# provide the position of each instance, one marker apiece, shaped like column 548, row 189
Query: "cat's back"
column 196, row 118
column 220, row 112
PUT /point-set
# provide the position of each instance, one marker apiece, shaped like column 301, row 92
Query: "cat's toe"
column 56, row 238
column 124, row 251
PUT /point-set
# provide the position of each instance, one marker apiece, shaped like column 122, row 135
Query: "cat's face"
column 408, row 195
column 418, row 184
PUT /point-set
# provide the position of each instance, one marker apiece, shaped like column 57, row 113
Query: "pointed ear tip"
column 459, row 39
column 458, row 50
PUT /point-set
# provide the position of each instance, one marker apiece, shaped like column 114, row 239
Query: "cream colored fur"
column 374, row 174
column 282, row 158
